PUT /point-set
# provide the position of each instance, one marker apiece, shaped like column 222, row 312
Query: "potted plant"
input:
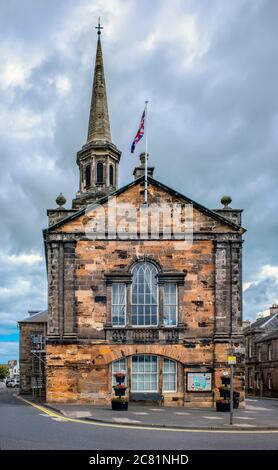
column 120, row 377
column 225, row 379
column 223, row 405
column 119, row 401
column 119, row 390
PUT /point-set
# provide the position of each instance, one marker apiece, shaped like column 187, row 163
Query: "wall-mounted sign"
column 199, row 381
column 231, row 360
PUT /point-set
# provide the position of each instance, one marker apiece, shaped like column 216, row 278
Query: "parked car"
column 12, row 383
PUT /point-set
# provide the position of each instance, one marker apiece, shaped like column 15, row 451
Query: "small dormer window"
column 87, row 176
column 111, row 175
column 100, row 172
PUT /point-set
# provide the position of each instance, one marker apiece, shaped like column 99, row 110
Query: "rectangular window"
column 118, row 304
column 250, row 378
column 38, row 342
column 269, row 380
column 257, row 381
column 169, row 376
column 118, row 366
column 269, row 352
column 144, row 374
column 250, row 347
column 170, row 305
column 259, row 353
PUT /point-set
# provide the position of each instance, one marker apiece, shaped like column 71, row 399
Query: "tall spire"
column 99, row 126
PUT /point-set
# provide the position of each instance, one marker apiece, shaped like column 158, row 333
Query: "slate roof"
column 40, row 317
column 268, row 337
column 265, row 324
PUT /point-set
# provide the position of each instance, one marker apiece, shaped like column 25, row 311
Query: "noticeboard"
column 198, row 382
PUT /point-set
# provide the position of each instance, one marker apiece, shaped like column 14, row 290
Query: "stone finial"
column 61, row 200
column 226, row 200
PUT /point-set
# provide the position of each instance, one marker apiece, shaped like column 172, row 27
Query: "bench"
column 147, row 396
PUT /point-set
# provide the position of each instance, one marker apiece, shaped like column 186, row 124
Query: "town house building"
column 164, row 311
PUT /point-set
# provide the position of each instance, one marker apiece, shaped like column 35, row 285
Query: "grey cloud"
column 213, row 126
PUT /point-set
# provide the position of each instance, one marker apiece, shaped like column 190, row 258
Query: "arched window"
column 111, row 175
column 145, row 370
column 100, row 172
column 144, row 295
column 87, row 175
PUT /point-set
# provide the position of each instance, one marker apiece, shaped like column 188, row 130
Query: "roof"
column 268, row 337
column 267, row 324
column 203, row 209
column 40, row 317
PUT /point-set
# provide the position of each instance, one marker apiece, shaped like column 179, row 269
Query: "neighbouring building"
column 32, row 334
column 13, row 366
column 261, row 345
column 165, row 312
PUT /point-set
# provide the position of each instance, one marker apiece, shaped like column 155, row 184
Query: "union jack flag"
column 140, row 132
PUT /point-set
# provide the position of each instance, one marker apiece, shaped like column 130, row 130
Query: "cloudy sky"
column 209, row 69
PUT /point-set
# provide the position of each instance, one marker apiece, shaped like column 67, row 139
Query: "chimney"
column 140, row 170
column 33, row 312
column 273, row 309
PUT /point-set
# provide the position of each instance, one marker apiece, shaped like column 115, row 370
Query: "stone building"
column 261, row 345
column 165, row 313
column 32, row 334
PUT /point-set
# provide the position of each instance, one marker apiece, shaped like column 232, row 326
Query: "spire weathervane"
column 98, row 27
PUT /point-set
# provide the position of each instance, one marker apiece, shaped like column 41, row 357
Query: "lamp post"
column 231, row 362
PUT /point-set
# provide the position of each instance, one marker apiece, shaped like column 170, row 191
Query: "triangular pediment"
column 204, row 220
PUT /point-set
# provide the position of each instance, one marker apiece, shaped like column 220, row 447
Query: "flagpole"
column 146, row 157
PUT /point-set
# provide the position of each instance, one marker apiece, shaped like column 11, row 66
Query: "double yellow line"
column 51, row 413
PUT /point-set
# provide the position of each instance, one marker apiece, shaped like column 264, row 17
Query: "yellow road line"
column 53, row 414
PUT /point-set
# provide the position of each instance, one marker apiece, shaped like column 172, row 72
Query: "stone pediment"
column 160, row 195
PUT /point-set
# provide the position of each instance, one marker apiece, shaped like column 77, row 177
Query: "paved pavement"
column 257, row 414
column 23, row 427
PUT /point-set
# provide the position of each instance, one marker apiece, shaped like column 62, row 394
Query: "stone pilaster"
column 236, row 287
column 53, row 289
column 69, row 290
column 223, row 304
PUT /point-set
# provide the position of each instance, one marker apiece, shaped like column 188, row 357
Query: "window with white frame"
column 269, row 352
column 170, row 305
column 269, row 381
column 144, row 374
column 118, row 366
column 169, row 376
column 118, row 304
column 259, row 353
column 249, row 347
column 144, row 295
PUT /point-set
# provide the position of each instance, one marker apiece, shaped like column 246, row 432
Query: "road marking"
column 245, row 425
column 183, row 413
column 243, row 417
column 257, row 408
column 212, row 417
column 147, row 428
column 125, row 420
column 139, row 413
column 79, row 414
